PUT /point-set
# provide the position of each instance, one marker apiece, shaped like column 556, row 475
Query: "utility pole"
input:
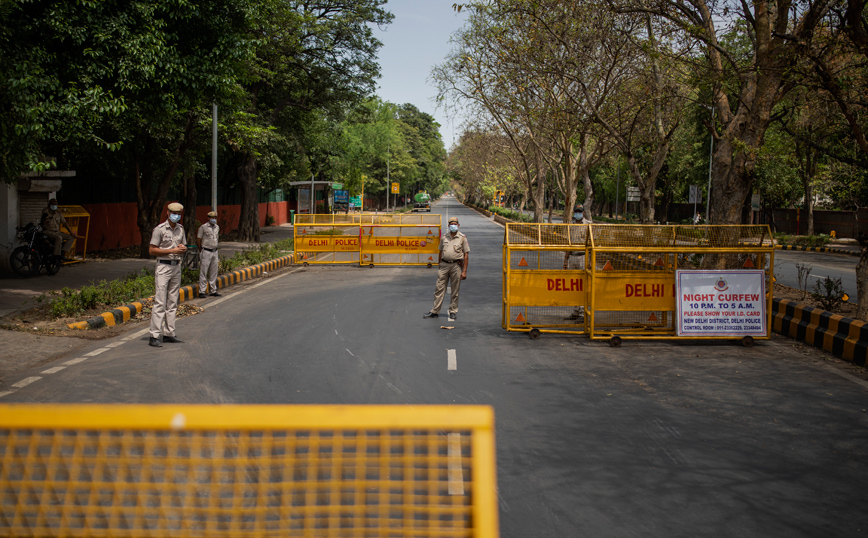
column 213, row 158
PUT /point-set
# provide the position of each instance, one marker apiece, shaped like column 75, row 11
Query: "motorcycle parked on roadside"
column 37, row 251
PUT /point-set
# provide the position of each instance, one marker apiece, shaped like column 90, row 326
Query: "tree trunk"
column 189, row 197
column 862, row 283
column 248, row 221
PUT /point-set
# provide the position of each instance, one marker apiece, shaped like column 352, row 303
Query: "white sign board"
column 632, row 194
column 695, row 196
column 721, row 303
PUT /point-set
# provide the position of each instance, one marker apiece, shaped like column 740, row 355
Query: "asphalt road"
column 821, row 264
column 651, row 439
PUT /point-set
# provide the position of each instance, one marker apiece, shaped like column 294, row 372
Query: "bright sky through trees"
column 417, row 40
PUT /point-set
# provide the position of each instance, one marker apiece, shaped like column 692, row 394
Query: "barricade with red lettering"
column 636, row 281
column 400, row 239
column 326, row 239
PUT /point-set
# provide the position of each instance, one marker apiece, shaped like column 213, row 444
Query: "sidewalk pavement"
column 19, row 294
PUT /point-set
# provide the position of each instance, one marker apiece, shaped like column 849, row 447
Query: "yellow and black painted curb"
column 843, row 337
column 819, row 249
column 123, row 313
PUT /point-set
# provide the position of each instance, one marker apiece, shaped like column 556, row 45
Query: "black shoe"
column 172, row 340
column 430, row 315
column 453, row 317
column 215, row 294
column 155, row 342
column 202, row 295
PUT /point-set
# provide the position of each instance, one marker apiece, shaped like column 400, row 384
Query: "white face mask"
column 213, row 221
column 175, row 217
column 53, row 207
column 453, row 228
column 578, row 216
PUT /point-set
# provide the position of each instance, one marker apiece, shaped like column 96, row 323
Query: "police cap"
column 212, row 214
column 453, row 219
column 175, row 207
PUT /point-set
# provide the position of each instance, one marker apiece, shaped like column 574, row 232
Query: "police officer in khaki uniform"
column 52, row 220
column 206, row 240
column 453, row 259
column 168, row 244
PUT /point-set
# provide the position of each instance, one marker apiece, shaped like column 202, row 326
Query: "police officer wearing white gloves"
column 207, row 239
column 168, row 244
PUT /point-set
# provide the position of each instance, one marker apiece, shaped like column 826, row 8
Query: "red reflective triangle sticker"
column 659, row 262
column 748, row 264
column 652, row 317
column 520, row 318
column 608, row 266
column 522, row 263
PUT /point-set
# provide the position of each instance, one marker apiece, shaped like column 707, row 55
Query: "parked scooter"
column 36, row 252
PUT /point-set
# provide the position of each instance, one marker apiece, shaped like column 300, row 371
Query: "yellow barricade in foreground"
column 367, row 239
column 638, row 281
column 255, row 470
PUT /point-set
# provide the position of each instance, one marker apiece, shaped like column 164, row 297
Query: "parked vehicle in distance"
column 422, row 202
column 37, row 251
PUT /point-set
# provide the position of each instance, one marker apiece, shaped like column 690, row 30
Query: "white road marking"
column 6, row 393
column 136, row 334
column 350, row 352
column 115, row 344
column 75, row 361
column 248, row 288
column 53, row 370
column 452, row 360
column 456, row 476
column 26, row 381
column 97, row 352
column 845, row 375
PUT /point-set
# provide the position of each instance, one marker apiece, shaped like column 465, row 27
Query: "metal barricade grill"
column 603, row 280
column 247, row 471
column 367, row 239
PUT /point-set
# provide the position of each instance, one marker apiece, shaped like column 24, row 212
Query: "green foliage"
column 510, row 214
column 257, row 254
column 820, row 240
column 829, row 293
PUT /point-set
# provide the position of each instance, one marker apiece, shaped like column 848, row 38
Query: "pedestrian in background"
column 452, row 260
column 168, row 244
column 207, row 239
column 51, row 222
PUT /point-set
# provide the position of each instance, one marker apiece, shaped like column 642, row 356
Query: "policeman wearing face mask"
column 453, row 259
column 206, row 240
column 168, row 244
column 576, row 259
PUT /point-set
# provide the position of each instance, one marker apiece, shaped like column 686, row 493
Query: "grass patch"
column 820, row 240
column 510, row 214
column 109, row 294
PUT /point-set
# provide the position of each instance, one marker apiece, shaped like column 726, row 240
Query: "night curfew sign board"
column 721, row 303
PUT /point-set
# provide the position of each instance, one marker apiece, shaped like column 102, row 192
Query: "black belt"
column 209, row 249
column 170, row 262
column 453, row 261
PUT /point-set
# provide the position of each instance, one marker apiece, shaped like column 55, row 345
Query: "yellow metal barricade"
column 545, row 282
column 79, row 223
column 220, row 471
column 399, row 239
column 326, row 239
column 640, row 281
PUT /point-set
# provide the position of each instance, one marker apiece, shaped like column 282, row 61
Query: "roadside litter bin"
column 292, row 216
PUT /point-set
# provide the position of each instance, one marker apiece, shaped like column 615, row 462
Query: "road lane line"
column 845, row 375
column 247, row 288
column 6, row 393
column 53, row 370
column 456, row 476
column 97, row 352
column 75, row 361
column 452, row 360
column 136, row 334
column 26, row 381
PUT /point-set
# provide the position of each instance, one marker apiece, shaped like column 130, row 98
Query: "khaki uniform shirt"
column 53, row 219
column 453, row 248
column 209, row 235
column 165, row 237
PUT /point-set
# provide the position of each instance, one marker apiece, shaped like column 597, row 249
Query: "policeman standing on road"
column 576, row 259
column 453, row 259
column 52, row 220
column 168, row 244
column 206, row 240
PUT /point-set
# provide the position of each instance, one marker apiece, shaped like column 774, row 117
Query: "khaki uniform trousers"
column 60, row 240
column 209, row 262
column 168, row 285
column 452, row 273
